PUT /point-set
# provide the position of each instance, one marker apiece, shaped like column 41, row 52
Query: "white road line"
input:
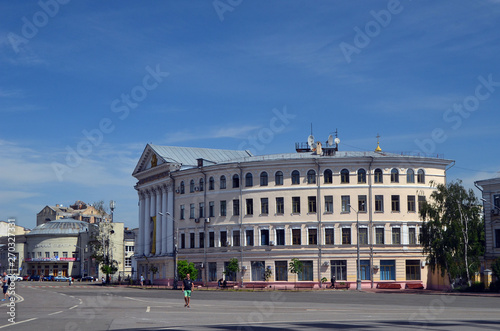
column 57, row 312
column 6, row 325
column 148, row 309
column 73, row 307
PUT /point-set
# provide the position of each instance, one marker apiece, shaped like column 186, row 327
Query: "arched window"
column 311, row 177
column 222, row 182
column 182, row 189
column 410, row 176
column 236, row 181
column 248, row 180
column 394, row 175
column 344, row 176
column 263, row 178
column 361, row 176
column 211, row 184
column 328, row 176
column 191, row 186
column 295, row 177
column 202, row 184
column 420, row 176
column 278, row 178
column 378, row 176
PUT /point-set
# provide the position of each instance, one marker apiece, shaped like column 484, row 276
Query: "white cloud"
column 241, row 132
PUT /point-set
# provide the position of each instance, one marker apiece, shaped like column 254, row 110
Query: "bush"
column 495, row 286
column 476, row 287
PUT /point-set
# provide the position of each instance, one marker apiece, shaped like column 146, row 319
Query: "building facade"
column 79, row 211
column 214, row 205
column 490, row 189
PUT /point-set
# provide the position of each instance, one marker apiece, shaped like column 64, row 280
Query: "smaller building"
column 79, row 211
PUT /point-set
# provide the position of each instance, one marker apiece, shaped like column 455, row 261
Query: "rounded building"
column 322, row 208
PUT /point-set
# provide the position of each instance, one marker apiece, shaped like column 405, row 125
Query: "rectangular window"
column 211, row 239
column 379, row 203
column 379, row 236
column 182, row 216
column 56, row 254
column 223, row 208
column 339, row 269
column 249, row 204
column 364, row 268
column 329, row 204
column 346, row 202
column 346, row 236
column 249, row 237
column 296, row 205
column 280, row 206
column 497, row 238
column 264, row 237
column 395, row 203
column 236, row 207
column 307, row 271
column 212, row 271
column 280, row 237
column 313, row 236
column 387, row 270
column 183, row 240
column 223, row 239
column 202, row 240
column 363, row 236
column 311, row 204
column 412, row 269
column 258, row 271
column 421, row 202
column 496, row 200
column 412, row 236
column 396, row 236
column 411, row 204
column 281, row 271
column 191, row 210
column 230, row 276
column 191, row 240
column 201, row 209
column 65, row 254
column 236, row 238
column 264, row 206
column 329, row 236
column 211, row 209
column 47, row 255
column 296, row 237
column 362, row 203
column 128, row 262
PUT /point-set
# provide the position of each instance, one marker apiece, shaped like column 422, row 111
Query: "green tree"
column 232, row 267
column 295, row 266
column 184, row 267
column 452, row 231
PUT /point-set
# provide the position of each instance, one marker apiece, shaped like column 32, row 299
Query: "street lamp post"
column 358, row 271
column 176, row 276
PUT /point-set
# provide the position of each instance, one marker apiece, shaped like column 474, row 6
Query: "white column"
column 140, row 237
column 170, row 222
column 164, row 220
column 152, row 213
column 158, row 220
column 146, row 237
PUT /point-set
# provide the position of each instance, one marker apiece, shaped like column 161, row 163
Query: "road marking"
column 73, row 307
column 148, row 309
column 57, row 312
column 6, row 325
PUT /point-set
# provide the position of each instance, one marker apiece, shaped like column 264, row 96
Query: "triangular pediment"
column 148, row 160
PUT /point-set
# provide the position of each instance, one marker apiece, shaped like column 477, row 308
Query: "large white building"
column 265, row 210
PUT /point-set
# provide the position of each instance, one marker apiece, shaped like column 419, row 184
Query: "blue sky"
column 84, row 86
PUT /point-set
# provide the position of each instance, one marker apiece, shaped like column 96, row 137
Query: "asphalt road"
column 57, row 306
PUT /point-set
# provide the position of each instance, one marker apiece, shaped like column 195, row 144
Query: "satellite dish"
column 337, row 141
column 310, row 140
column 330, row 140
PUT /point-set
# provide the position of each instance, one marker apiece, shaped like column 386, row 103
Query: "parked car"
column 26, row 277
column 88, row 279
column 61, row 278
column 48, row 278
column 15, row 278
column 34, row 278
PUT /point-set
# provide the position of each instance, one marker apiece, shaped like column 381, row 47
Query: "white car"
column 15, row 278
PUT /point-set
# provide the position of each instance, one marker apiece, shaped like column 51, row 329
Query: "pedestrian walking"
column 187, row 287
column 5, row 286
column 142, row 280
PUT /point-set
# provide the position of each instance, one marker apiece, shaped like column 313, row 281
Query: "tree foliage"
column 184, row 267
column 296, row 266
column 452, row 233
